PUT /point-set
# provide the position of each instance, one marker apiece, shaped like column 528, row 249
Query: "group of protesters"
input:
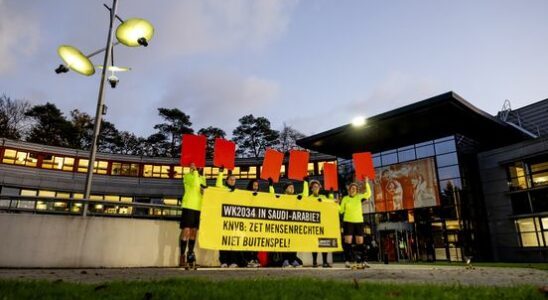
column 350, row 209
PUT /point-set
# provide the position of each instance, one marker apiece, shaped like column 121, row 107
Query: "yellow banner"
column 240, row 221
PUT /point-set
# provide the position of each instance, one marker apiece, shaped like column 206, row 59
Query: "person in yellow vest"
column 315, row 188
column 351, row 209
column 232, row 259
column 291, row 258
column 190, row 216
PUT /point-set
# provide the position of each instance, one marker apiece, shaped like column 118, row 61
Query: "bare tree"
column 13, row 118
column 288, row 138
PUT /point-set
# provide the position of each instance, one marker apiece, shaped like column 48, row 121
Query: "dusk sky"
column 312, row 64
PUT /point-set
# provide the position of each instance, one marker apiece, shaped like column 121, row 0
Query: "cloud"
column 395, row 90
column 19, row 36
column 219, row 98
column 197, row 27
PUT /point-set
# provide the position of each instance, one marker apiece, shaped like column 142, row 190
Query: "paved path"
column 449, row 275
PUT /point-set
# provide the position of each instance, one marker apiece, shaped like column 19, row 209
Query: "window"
column 520, row 203
column 539, row 173
column 527, row 229
column 377, row 161
column 124, row 169
column 447, row 159
column 425, row 151
column 156, row 171
column 389, row 158
column 517, row 178
column 539, row 200
column 58, row 163
column 125, row 210
column 27, row 204
column 21, row 158
column 321, row 163
column 178, row 171
column 311, row 171
column 448, row 172
column 9, row 156
column 99, row 166
column 406, row 154
column 445, row 147
column 248, row 172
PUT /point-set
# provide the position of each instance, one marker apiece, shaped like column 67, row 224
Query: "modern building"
column 452, row 181
column 28, row 169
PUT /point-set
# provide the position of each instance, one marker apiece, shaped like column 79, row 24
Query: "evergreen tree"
column 50, row 127
column 211, row 133
column 176, row 124
column 253, row 136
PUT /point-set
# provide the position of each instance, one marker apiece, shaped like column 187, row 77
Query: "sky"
column 313, row 65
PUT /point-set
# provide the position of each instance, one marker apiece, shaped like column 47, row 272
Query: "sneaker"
column 347, row 264
column 296, row 264
column 326, row 265
column 224, row 266
column 253, row 264
column 285, row 264
column 365, row 264
column 233, row 265
column 190, row 257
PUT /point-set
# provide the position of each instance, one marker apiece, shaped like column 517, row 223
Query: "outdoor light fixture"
column 112, row 79
column 61, row 69
column 135, row 32
column 358, row 121
column 74, row 60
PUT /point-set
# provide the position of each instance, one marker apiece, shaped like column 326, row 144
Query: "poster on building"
column 241, row 221
column 406, row 186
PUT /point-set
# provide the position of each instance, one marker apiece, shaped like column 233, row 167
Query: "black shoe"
column 314, row 265
column 191, row 257
column 326, row 265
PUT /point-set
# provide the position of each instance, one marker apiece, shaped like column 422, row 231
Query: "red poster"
column 330, row 177
column 225, row 153
column 298, row 164
column 363, row 165
column 272, row 164
column 193, row 150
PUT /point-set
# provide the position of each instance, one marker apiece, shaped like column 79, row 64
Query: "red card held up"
column 330, row 178
column 193, row 150
column 225, row 153
column 298, row 164
column 363, row 165
column 272, row 165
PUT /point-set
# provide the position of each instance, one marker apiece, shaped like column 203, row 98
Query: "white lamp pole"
column 99, row 111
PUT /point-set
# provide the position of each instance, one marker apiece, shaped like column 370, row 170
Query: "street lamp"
column 358, row 121
column 133, row 33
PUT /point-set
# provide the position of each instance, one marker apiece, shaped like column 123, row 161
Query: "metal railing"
column 71, row 206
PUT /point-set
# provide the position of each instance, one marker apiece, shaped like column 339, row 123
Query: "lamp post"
column 133, row 33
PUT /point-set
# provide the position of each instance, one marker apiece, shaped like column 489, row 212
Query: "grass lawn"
column 295, row 288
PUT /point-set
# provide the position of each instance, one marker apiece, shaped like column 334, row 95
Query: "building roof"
column 435, row 117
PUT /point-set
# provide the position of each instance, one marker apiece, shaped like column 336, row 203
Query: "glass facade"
column 441, row 232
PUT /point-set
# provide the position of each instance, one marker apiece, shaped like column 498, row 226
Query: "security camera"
column 113, row 80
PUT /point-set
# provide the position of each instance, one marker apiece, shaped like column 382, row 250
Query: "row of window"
column 116, row 208
column 525, row 175
column 532, row 232
column 114, row 168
